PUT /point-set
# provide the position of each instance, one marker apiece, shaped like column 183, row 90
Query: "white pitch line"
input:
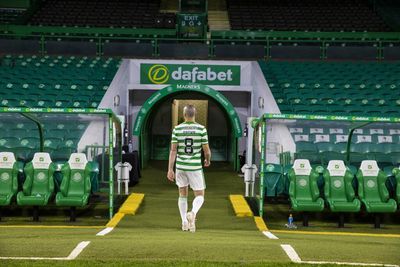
column 105, row 231
column 294, row 257
column 292, row 254
column 78, row 249
column 270, row 235
column 350, row 263
column 74, row 253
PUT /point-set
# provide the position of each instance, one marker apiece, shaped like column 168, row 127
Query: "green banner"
column 57, row 110
column 332, row 118
column 187, row 73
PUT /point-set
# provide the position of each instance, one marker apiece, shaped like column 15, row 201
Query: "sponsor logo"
column 4, row 176
column 158, row 74
column 77, row 177
column 175, row 74
column 302, row 182
column 337, row 183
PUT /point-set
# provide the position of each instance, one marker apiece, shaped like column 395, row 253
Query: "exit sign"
column 191, row 25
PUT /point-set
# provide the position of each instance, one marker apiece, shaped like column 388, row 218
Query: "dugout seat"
column 303, row 189
column 338, row 189
column 75, row 185
column 396, row 172
column 39, row 183
column 372, row 189
column 274, row 180
column 9, row 169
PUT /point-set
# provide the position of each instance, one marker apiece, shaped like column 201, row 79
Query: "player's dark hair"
column 189, row 111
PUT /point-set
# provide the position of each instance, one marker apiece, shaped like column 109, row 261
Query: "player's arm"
column 172, row 157
column 206, row 148
column 207, row 155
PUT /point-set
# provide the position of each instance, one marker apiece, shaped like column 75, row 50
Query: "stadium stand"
column 11, row 15
column 308, row 15
column 89, row 13
column 57, row 82
column 359, row 88
column 322, row 143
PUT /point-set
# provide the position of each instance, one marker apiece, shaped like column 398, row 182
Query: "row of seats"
column 58, row 81
column 339, row 193
column 367, row 88
column 88, row 13
column 22, row 138
column 319, row 144
column 10, row 15
column 38, row 187
column 306, row 15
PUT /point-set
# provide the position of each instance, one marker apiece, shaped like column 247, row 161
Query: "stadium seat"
column 75, row 185
column 303, row 189
column 9, row 169
column 338, row 190
column 39, row 183
column 372, row 189
column 273, row 181
column 396, row 172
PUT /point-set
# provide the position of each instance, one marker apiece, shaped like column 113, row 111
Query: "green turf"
column 153, row 238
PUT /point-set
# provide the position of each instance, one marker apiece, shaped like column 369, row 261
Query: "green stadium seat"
column 338, row 189
column 39, row 183
column 75, row 186
column 9, row 169
column 303, row 189
column 396, row 173
column 274, row 180
column 372, row 189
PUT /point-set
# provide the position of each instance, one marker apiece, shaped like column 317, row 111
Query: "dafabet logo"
column 176, row 74
column 158, row 74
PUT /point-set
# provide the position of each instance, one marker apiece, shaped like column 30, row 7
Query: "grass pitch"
column 153, row 238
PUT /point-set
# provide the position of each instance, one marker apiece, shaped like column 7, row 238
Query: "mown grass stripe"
column 53, row 226
column 336, row 233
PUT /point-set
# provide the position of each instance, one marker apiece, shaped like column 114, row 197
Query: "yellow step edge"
column 240, row 206
column 132, row 204
column 115, row 220
column 260, row 223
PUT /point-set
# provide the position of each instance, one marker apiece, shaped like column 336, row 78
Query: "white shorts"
column 193, row 178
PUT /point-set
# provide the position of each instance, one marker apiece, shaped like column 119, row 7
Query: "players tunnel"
column 163, row 110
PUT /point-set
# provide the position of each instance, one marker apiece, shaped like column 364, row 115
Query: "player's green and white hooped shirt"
column 190, row 137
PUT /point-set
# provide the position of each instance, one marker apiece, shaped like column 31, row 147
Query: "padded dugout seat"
column 75, row 185
column 396, row 172
column 303, row 188
column 372, row 190
column 39, row 184
column 9, row 168
column 274, row 180
column 339, row 191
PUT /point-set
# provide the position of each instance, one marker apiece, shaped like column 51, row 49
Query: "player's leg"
column 182, row 183
column 197, row 183
column 197, row 201
column 183, row 206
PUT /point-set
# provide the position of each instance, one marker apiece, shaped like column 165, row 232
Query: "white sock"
column 197, row 203
column 183, row 206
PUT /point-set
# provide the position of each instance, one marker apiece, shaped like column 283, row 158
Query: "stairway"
column 169, row 6
column 218, row 16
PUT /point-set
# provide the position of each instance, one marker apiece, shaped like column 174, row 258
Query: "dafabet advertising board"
column 184, row 73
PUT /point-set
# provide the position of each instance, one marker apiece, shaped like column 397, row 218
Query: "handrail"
column 214, row 35
column 306, row 35
column 349, row 140
column 40, row 128
column 25, row 29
